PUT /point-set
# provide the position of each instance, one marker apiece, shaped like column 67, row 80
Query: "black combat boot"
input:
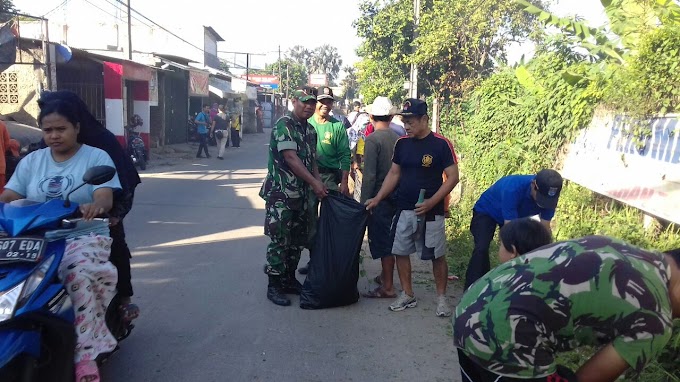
column 290, row 284
column 274, row 291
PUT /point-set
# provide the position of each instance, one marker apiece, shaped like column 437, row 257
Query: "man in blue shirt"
column 204, row 123
column 511, row 197
column 418, row 226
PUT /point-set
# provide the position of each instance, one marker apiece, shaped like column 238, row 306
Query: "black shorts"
column 379, row 224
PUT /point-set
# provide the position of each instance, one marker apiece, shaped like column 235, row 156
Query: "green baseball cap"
column 304, row 94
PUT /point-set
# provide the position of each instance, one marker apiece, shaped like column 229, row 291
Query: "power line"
column 162, row 27
column 55, row 8
column 133, row 16
column 94, row 5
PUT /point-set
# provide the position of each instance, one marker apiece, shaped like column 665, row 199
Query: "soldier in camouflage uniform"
column 594, row 290
column 291, row 177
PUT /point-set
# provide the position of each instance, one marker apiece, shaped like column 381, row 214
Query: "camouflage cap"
column 304, row 94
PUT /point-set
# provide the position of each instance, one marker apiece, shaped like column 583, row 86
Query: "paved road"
column 198, row 252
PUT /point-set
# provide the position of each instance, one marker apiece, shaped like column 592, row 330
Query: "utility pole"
column 414, row 68
column 280, row 82
column 129, row 25
column 247, row 66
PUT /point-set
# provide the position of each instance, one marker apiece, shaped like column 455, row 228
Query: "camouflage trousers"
column 287, row 225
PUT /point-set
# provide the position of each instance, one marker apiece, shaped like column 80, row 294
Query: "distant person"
column 418, row 163
column 356, row 110
column 221, row 131
column 378, row 153
column 236, row 129
column 511, row 197
column 204, row 125
column 259, row 117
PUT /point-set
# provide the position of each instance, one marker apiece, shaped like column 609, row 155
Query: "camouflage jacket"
column 289, row 133
column 588, row 291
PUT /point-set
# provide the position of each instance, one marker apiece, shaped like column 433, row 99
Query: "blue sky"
column 262, row 25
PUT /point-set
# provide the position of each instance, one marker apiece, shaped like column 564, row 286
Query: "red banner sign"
column 199, row 83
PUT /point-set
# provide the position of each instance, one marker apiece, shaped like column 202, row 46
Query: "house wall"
column 20, row 86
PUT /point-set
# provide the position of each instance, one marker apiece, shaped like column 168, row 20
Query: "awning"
column 220, row 87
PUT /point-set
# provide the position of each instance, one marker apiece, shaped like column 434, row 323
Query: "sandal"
column 129, row 311
column 87, row 371
column 378, row 293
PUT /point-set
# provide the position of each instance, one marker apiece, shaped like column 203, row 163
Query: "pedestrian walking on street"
column 236, row 129
column 221, row 131
column 418, row 226
column 292, row 175
column 204, row 123
column 378, row 152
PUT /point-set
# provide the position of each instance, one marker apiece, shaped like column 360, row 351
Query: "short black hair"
column 675, row 254
column 61, row 107
column 525, row 235
column 356, row 103
column 382, row 118
column 206, row 105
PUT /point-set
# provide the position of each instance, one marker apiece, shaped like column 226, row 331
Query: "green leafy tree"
column 350, row 84
column 457, row 42
column 387, row 33
column 5, row 7
column 300, row 55
column 325, row 59
column 297, row 73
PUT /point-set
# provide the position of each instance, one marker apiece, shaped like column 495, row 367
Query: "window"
column 9, row 89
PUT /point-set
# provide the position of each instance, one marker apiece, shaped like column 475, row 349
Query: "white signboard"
column 318, row 79
column 642, row 173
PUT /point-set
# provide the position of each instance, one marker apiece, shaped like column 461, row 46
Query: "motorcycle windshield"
column 17, row 218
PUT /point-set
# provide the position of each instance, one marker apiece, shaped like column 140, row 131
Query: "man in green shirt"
column 332, row 148
column 333, row 156
column 595, row 290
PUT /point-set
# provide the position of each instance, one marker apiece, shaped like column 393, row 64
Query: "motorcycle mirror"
column 99, row 175
column 93, row 176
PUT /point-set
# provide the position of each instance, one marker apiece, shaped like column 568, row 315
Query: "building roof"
column 214, row 33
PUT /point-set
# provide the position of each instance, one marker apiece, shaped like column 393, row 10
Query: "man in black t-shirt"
column 418, row 163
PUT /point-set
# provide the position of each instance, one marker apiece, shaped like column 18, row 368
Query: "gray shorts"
column 427, row 238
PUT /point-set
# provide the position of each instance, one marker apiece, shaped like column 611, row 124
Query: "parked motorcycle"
column 135, row 144
column 192, row 129
column 37, row 335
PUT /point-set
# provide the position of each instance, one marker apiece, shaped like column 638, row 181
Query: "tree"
column 457, row 42
column 6, row 6
column 387, row 33
column 350, row 83
column 300, row 55
column 297, row 74
column 325, row 59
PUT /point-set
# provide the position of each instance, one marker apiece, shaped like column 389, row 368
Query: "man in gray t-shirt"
column 378, row 152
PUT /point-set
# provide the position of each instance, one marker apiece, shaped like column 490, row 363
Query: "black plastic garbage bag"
column 334, row 261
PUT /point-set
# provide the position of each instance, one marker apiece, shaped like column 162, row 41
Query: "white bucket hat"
column 381, row 106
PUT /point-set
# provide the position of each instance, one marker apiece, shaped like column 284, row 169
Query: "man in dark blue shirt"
column 418, row 163
column 511, row 197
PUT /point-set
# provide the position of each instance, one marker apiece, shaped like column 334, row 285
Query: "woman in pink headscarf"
column 213, row 111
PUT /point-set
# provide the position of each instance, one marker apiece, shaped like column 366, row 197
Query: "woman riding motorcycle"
column 88, row 276
column 92, row 133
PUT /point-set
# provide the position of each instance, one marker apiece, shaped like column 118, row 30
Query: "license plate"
column 21, row 249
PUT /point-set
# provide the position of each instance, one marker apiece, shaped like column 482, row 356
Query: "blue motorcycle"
column 37, row 335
